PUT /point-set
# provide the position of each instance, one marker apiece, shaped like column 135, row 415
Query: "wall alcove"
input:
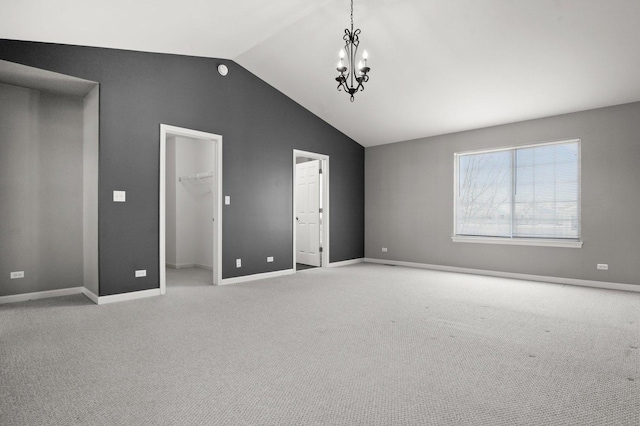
column 48, row 184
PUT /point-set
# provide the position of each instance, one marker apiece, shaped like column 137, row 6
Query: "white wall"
column 189, row 239
column 170, row 204
column 203, row 197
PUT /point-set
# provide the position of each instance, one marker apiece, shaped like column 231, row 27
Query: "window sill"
column 518, row 241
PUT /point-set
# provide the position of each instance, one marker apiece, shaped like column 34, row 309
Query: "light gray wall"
column 90, row 150
column 41, row 188
column 409, row 198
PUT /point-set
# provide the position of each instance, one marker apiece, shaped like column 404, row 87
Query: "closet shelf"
column 197, row 176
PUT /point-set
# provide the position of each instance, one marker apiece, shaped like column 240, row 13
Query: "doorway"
column 310, row 210
column 201, row 192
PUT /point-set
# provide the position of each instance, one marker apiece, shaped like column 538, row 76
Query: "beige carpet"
column 358, row 345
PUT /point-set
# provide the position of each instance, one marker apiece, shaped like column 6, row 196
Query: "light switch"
column 119, row 196
column 227, row 200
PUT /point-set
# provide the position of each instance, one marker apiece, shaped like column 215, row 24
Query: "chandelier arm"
column 354, row 55
column 352, row 40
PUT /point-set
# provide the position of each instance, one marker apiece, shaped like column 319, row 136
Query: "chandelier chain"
column 351, row 15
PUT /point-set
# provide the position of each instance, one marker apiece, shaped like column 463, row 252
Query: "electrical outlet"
column 238, row 263
column 17, row 274
column 141, row 273
column 119, row 196
column 227, row 200
column 384, row 249
column 603, row 266
column 270, row 259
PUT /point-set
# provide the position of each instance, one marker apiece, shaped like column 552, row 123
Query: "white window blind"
column 525, row 192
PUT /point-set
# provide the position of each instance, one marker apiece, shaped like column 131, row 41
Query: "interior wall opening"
column 48, row 184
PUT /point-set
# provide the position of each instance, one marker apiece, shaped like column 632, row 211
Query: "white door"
column 308, row 213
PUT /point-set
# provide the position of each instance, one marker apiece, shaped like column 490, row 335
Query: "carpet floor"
column 357, row 345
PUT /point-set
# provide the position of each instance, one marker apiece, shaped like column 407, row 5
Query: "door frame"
column 168, row 131
column 324, row 165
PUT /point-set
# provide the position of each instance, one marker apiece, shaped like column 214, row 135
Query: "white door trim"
column 307, row 212
column 324, row 164
column 217, row 194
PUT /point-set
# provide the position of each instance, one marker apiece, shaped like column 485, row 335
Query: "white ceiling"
column 437, row 66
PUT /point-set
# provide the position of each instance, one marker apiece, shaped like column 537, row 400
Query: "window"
column 523, row 195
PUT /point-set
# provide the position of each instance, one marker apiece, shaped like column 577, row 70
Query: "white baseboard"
column 345, row 262
column 98, row 300
column 262, row 276
column 207, row 267
column 253, row 277
column 91, row 295
column 40, row 295
column 180, row 265
column 528, row 277
column 102, row 300
column 188, row 265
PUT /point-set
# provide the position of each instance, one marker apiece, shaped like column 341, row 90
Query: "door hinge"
column 320, row 249
column 320, row 171
column 320, row 210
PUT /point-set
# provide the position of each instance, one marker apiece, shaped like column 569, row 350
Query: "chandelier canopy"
column 352, row 79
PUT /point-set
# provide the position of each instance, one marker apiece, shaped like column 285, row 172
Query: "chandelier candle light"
column 348, row 73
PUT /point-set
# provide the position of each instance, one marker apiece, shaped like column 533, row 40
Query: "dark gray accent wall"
column 409, row 198
column 260, row 128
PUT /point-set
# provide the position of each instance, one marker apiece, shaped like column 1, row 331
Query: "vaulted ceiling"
column 437, row 66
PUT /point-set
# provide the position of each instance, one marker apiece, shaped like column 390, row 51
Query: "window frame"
column 522, row 241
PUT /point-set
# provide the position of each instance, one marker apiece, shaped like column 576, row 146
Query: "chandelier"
column 352, row 79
